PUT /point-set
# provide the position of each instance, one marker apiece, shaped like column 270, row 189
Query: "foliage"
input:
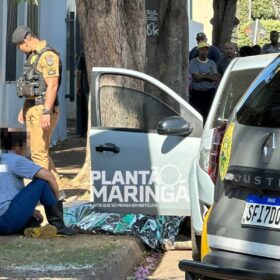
column 243, row 39
column 261, row 9
column 242, row 10
column 265, row 10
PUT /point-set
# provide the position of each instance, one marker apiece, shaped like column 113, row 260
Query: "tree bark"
column 167, row 53
column 223, row 21
column 114, row 33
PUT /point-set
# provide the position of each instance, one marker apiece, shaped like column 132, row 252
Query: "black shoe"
column 32, row 222
column 55, row 218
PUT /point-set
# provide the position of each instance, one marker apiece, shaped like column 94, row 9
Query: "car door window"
column 140, row 105
column 262, row 106
column 235, row 87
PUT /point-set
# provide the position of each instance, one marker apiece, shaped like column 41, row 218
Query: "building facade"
column 51, row 20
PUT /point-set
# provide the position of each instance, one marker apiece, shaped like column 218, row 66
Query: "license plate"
column 262, row 211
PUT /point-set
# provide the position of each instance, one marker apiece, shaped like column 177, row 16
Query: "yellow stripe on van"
column 204, row 240
column 226, row 151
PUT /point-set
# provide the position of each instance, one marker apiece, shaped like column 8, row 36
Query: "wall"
column 194, row 28
column 71, row 105
column 2, row 37
column 10, row 104
column 52, row 14
column 202, row 11
column 52, row 27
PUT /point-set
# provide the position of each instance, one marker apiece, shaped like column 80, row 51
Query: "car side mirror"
column 174, row 125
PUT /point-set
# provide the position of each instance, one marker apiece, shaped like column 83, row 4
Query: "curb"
column 122, row 261
column 118, row 265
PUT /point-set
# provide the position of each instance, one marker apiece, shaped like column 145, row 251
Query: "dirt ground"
column 69, row 157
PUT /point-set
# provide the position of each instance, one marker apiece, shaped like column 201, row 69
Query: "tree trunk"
column 114, row 34
column 223, row 21
column 167, row 49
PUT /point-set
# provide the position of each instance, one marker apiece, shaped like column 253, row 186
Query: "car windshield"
column 236, row 85
column 262, row 105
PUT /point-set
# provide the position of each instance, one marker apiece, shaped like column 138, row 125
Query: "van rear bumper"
column 220, row 264
column 193, row 269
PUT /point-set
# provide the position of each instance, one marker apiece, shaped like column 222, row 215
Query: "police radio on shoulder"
column 46, row 111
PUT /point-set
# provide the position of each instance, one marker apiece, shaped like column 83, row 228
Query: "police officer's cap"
column 20, row 34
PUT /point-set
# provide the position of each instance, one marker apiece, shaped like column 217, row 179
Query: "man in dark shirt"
column 274, row 46
column 213, row 52
column 230, row 54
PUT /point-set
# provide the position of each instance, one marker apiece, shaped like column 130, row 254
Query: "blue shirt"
column 13, row 169
column 206, row 67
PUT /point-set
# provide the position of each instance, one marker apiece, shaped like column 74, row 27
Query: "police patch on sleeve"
column 50, row 60
column 51, row 71
column 226, row 151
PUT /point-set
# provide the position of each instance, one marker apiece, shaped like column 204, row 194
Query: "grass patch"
column 77, row 251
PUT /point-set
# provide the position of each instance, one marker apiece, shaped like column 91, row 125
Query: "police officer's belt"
column 37, row 101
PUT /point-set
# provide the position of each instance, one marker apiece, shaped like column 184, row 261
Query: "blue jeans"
column 23, row 205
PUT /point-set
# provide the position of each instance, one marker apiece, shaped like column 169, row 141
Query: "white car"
column 149, row 151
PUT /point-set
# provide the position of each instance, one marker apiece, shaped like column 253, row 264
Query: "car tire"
column 196, row 245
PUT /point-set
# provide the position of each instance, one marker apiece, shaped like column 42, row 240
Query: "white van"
column 241, row 72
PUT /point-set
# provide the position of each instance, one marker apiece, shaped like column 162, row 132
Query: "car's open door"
column 138, row 164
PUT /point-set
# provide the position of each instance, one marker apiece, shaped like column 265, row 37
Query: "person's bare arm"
column 20, row 116
column 213, row 77
column 46, row 175
column 197, row 77
column 51, row 92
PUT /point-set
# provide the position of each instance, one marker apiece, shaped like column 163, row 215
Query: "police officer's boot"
column 55, row 218
column 60, row 207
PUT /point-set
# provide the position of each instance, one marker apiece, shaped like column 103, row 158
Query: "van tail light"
column 217, row 139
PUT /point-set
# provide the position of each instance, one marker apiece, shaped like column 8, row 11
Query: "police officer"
column 39, row 86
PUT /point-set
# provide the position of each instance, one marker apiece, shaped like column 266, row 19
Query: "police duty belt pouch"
column 27, row 89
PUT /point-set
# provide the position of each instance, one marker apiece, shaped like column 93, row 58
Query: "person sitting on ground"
column 213, row 53
column 274, row 46
column 18, row 202
column 230, row 54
